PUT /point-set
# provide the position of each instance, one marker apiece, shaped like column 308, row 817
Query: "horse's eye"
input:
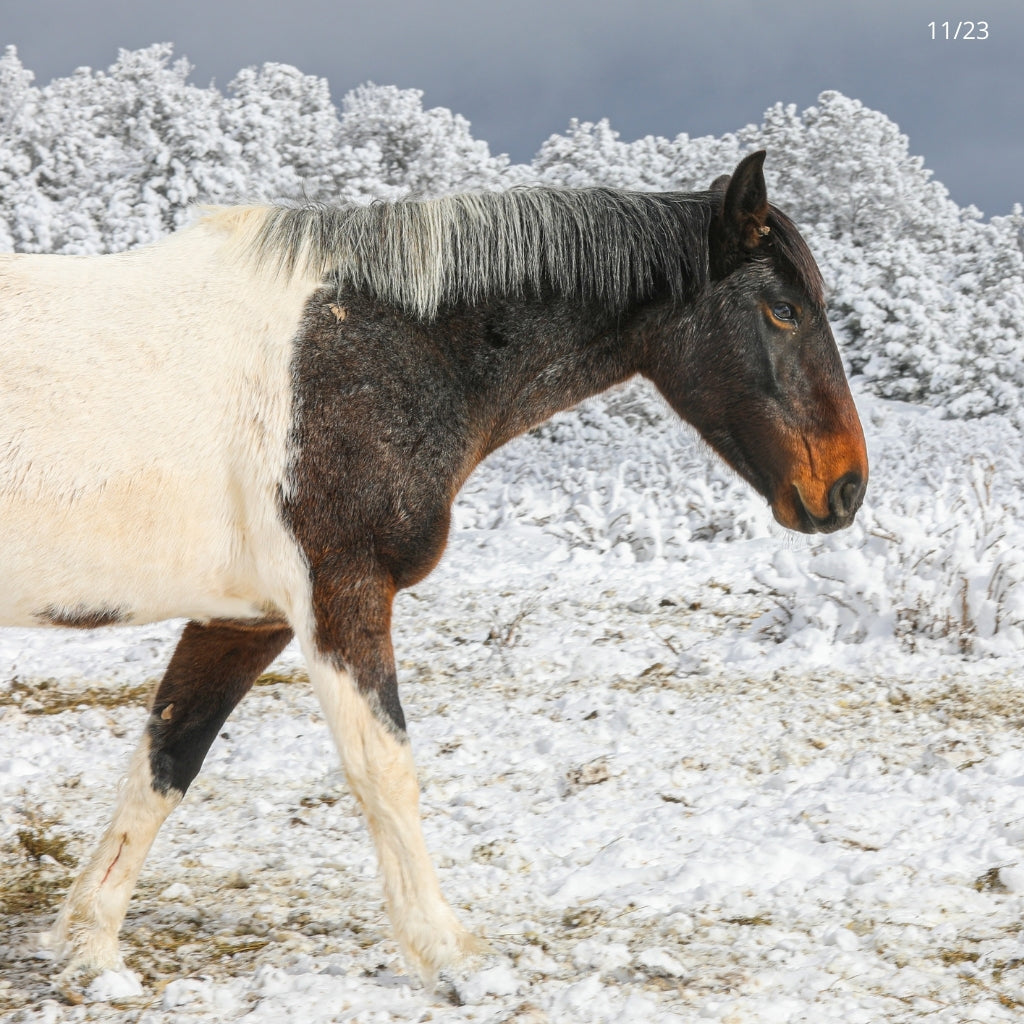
column 785, row 312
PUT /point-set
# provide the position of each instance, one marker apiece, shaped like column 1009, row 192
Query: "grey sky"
column 518, row 71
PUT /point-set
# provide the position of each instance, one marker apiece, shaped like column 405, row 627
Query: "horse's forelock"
column 791, row 248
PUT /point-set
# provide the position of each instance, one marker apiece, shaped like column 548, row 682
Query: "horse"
column 260, row 423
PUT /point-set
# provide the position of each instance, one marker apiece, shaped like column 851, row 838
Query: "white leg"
column 380, row 771
column 86, row 929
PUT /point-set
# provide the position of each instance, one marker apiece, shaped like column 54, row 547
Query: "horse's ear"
column 721, row 183
column 740, row 223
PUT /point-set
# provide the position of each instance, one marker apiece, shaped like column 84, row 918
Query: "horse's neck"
column 544, row 358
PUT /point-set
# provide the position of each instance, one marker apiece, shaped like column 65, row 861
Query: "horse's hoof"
column 487, row 972
column 456, row 950
column 85, row 960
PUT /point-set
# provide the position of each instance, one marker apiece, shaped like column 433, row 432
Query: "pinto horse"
column 260, row 424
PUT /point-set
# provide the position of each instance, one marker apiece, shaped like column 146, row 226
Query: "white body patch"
column 145, row 409
column 145, row 402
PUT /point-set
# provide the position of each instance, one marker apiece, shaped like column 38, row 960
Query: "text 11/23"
column 959, row 30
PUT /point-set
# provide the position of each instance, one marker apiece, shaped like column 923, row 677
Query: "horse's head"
column 756, row 369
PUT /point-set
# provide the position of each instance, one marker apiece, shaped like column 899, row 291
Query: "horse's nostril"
column 846, row 495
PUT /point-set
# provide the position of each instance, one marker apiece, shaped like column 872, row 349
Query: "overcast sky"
column 519, row 70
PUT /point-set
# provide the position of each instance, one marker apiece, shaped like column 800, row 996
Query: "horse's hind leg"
column 213, row 667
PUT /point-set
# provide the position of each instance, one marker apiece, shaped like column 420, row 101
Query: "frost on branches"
column 927, row 298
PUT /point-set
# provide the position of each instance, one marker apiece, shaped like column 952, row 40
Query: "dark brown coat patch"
column 391, row 416
column 212, row 669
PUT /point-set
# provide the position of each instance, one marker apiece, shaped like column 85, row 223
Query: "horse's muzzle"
column 844, row 499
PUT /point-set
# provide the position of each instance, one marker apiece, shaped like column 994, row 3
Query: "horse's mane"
column 598, row 244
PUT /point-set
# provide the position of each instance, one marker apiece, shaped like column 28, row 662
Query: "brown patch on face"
column 81, row 617
column 817, row 458
column 825, row 483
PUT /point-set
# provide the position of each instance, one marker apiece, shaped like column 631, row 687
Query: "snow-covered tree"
column 172, row 149
column 593, row 154
column 287, row 126
column 23, row 213
column 429, row 152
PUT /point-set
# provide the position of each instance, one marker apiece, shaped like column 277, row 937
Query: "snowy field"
column 676, row 765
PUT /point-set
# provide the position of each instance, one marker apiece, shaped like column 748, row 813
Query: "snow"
column 113, row 986
column 677, row 765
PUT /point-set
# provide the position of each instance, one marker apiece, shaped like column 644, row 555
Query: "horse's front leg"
column 352, row 668
column 213, row 667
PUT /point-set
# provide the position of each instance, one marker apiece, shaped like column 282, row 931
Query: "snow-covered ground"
column 676, row 765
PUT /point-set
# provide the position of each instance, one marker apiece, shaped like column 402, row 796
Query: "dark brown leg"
column 212, row 669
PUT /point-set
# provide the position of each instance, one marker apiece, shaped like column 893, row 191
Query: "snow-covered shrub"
column 593, row 154
column 284, row 122
column 946, row 567
column 295, row 144
column 621, row 473
column 428, row 152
